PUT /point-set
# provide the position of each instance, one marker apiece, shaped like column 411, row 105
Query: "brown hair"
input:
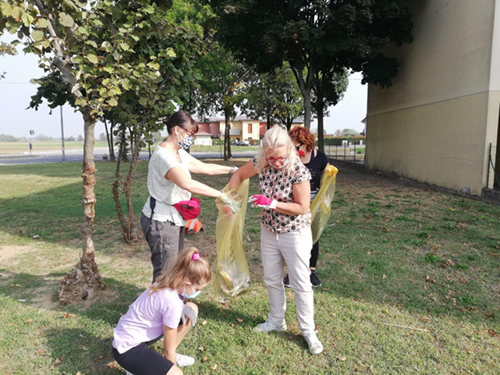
column 181, row 119
column 197, row 271
column 302, row 135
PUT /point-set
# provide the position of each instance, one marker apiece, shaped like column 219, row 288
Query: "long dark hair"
column 181, row 119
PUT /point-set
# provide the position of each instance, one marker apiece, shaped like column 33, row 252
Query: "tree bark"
column 115, row 188
column 227, row 141
column 109, row 137
column 321, row 138
column 227, row 137
column 127, row 188
column 320, row 107
column 84, row 279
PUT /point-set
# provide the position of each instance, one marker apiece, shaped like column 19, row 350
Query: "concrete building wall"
column 436, row 122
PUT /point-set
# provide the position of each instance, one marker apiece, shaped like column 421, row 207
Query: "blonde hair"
column 197, row 271
column 276, row 137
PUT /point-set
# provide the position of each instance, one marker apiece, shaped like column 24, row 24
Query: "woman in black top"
column 316, row 161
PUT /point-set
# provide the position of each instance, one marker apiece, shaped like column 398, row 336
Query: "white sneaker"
column 184, row 360
column 313, row 343
column 267, row 327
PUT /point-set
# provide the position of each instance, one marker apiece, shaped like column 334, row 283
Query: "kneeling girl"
column 162, row 310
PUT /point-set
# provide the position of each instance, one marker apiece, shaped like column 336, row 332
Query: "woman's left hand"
column 259, row 200
column 232, row 205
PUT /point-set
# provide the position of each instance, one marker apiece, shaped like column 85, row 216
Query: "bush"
column 7, row 138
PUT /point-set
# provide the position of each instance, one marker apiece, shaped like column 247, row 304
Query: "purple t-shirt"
column 145, row 318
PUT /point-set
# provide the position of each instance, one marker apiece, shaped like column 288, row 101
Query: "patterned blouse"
column 276, row 184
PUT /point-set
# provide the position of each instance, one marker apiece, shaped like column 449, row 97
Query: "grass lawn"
column 410, row 282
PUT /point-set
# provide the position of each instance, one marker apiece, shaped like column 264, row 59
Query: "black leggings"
column 314, row 255
column 143, row 360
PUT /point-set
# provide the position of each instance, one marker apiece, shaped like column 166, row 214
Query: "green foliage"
column 6, row 49
column 93, row 55
column 222, row 87
column 432, row 258
column 7, row 138
column 318, row 39
column 274, row 96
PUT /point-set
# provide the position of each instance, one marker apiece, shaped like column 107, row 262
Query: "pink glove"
column 259, row 200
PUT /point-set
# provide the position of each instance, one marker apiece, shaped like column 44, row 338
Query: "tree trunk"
column 84, row 279
column 116, row 196
column 122, row 154
column 227, row 135
column 320, row 106
column 321, row 138
column 270, row 122
column 305, row 85
column 109, row 137
column 127, row 188
column 306, row 93
column 227, row 139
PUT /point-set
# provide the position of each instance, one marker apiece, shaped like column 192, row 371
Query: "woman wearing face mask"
column 169, row 182
column 316, row 161
column 285, row 230
column 162, row 311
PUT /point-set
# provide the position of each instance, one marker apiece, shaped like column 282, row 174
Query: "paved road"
column 77, row 156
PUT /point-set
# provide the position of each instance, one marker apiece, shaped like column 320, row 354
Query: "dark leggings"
column 314, row 255
column 143, row 360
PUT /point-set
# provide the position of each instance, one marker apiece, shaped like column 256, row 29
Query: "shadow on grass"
column 78, row 337
column 55, row 214
column 79, row 350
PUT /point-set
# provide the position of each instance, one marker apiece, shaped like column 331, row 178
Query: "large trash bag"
column 321, row 206
column 231, row 275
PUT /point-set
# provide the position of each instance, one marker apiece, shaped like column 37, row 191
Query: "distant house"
column 241, row 128
column 203, row 138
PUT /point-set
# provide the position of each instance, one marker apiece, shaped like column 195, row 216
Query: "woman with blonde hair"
column 285, row 230
column 162, row 311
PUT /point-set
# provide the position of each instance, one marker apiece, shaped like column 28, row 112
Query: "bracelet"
column 233, row 169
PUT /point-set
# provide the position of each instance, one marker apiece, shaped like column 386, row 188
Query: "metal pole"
column 488, row 170
column 62, row 135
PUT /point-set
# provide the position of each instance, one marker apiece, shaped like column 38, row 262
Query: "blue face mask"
column 187, row 141
column 193, row 295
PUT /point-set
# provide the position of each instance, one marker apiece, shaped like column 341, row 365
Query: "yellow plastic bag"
column 230, row 269
column 321, row 206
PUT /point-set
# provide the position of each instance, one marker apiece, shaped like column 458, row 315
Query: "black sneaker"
column 286, row 282
column 314, row 279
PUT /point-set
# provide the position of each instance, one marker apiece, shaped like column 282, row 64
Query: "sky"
column 16, row 91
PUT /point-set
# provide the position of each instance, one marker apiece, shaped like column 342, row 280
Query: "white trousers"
column 294, row 249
